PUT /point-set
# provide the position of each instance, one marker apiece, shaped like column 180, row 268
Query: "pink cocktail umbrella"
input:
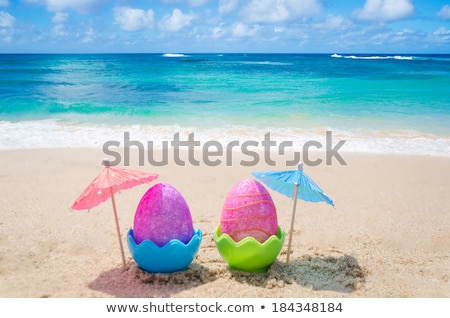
column 110, row 181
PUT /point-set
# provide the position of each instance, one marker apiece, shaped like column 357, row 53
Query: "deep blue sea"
column 378, row 103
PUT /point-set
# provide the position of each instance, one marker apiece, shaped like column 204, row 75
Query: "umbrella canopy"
column 108, row 182
column 293, row 184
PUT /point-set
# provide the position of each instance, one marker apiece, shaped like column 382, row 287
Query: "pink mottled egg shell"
column 162, row 215
column 249, row 211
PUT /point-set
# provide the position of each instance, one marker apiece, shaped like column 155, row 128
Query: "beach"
column 387, row 236
column 381, row 119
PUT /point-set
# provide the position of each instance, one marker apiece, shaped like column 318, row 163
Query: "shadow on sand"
column 131, row 281
column 335, row 273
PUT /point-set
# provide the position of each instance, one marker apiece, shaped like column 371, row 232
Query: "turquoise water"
column 382, row 103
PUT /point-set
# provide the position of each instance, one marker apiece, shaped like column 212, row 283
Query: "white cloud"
column 237, row 30
column 6, row 20
column 226, row 6
column 278, row 30
column 444, row 13
column 4, row 3
column 442, row 35
column 271, row 11
column 334, row 22
column 131, row 19
column 242, row 30
column 6, row 23
column 218, row 32
column 176, row 21
column 378, row 39
column 60, row 17
column 89, row 35
column 384, row 10
column 403, row 36
column 6, row 35
column 59, row 31
column 81, row 6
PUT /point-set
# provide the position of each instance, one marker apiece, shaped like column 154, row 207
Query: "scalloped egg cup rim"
column 172, row 257
column 253, row 264
column 280, row 236
column 171, row 242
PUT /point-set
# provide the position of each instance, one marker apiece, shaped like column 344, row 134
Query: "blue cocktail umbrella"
column 294, row 184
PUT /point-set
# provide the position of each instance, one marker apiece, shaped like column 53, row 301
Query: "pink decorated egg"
column 162, row 215
column 249, row 211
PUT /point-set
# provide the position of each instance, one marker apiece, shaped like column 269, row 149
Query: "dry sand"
column 388, row 236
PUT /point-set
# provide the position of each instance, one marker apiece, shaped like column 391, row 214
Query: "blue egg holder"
column 173, row 257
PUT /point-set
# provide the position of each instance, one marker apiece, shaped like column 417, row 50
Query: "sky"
column 224, row 26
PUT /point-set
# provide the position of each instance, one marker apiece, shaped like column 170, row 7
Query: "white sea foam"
column 374, row 57
column 173, row 55
column 52, row 134
column 266, row 63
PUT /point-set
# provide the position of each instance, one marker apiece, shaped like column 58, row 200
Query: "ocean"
column 393, row 104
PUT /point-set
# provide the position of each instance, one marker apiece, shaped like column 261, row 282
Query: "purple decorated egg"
column 249, row 211
column 162, row 215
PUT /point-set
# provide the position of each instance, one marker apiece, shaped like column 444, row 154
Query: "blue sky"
column 221, row 26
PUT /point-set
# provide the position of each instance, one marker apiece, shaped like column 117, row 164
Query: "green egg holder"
column 248, row 254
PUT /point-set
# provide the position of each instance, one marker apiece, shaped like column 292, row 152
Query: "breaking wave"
column 53, row 134
column 373, row 57
column 173, row 55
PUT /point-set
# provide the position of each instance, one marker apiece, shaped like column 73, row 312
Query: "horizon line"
column 227, row 53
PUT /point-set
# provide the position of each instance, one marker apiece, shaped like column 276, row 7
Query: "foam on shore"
column 53, row 134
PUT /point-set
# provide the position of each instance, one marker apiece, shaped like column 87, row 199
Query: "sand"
column 388, row 235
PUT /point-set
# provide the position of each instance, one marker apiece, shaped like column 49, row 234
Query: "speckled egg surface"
column 248, row 210
column 162, row 215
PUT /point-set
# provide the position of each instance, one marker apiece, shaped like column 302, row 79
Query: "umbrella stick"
column 117, row 225
column 294, row 196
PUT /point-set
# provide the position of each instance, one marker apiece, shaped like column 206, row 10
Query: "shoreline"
column 386, row 237
column 51, row 134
